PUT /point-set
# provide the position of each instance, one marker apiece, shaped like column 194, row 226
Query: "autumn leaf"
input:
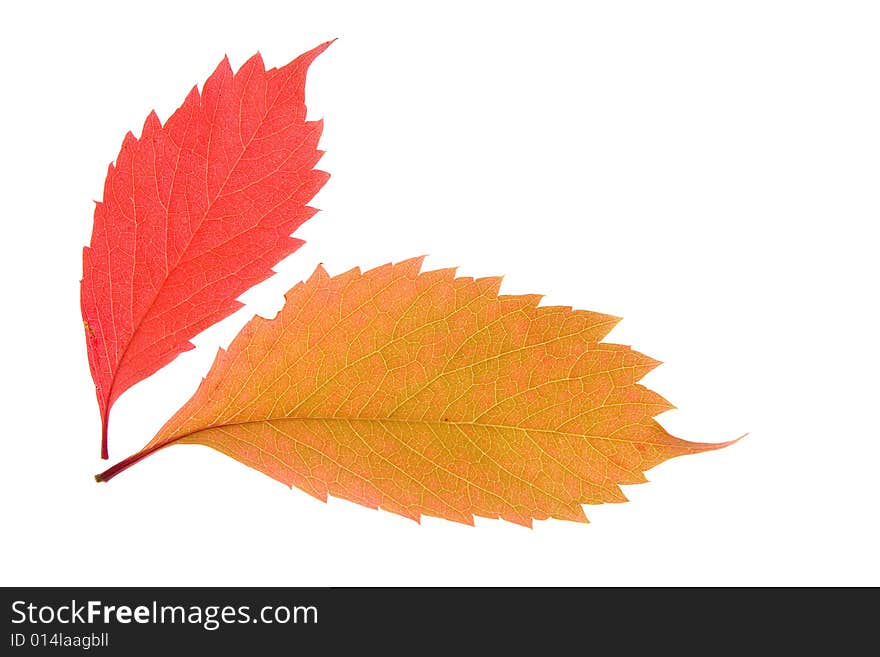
column 427, row 394
column 194, row 213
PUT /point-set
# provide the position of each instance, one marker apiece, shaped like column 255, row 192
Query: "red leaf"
column 195, row 212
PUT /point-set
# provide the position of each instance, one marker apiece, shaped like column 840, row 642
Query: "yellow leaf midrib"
column 576, row 434
column 636, row 474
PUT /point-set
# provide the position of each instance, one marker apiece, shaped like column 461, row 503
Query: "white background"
column 708, row 171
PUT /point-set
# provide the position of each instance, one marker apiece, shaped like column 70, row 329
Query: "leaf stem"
column 104, row 420
column 124, row 464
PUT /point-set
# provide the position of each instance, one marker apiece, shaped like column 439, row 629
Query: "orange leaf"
column 427, row 394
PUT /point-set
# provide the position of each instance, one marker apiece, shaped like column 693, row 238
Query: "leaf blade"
column 194, row 213
column 426, row 394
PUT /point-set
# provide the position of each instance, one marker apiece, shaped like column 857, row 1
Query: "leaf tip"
column 308, row 57
column 731, row 442
column 322, row 47
column 728, row 443
column 696, row 448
